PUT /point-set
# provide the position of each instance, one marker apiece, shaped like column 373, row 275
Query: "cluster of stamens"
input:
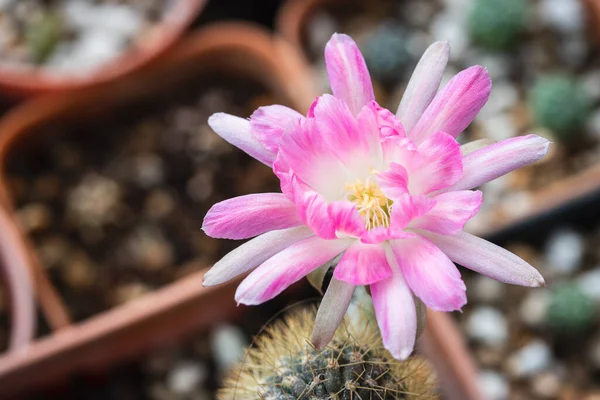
column 371, row 203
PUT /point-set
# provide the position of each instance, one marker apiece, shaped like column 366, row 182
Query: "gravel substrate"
column 75, row 36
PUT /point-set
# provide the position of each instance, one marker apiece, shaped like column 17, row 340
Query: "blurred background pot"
column 19, row 80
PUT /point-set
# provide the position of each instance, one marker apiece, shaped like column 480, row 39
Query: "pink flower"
column 388, row 193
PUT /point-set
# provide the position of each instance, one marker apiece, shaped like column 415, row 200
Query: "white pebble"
column 589, row 283
column 487, row 290
column 487, row 325
column 531, row 359
column 503, row 97
column 227, row 343
column 446, row 27
column 547, row 385
column 185, row 377
column 564, row 251
column 591, row 83
column 320, row 28
column 493, row 385
column 498, row 127
column 533, row 309
column 566, row 16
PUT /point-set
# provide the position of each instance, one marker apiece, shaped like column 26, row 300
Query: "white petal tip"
column 442, row 46
column 401, row 354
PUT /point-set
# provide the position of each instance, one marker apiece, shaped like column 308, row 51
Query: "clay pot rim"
column 32, row 80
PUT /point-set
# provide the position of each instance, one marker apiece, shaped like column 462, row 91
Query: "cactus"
column 497, row 25
column 43, row 36
column 570, row 310
column 386, row 54
column 283, row 365
column 561, row 105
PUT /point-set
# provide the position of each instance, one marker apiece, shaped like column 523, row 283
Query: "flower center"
column 371, row 203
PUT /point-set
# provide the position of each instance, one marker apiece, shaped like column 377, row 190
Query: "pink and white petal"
column 285, row 175
column 455, row 106
column 389, row 124
column 393, row 182
column 287, row 267
column 246, row 216
column 487, row 258
column 237, row 131
column 310, row 158
column 423, row 84
column 450, row 213
column 269, row 122
column 500, row 158
column 348, row 75
column 399, row 150
column 331, row 312
column 346, row 219
column 354, row 140
column 440, row 164
column 395, row 312
column 313, row 211
column 430, row 274
column 363, row 264
column 253, row 253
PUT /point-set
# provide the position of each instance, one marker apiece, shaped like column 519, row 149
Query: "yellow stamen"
column 371, row 202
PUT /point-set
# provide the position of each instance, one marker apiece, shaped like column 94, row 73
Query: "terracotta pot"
column 236, row 49
column 17, row 280
column 20, row 83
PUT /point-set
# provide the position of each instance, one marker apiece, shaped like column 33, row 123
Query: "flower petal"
column 237, row 131
column 394, row 181
column 327, row 220
column 423, row 84
column 253, row 253
column 487, row 258
column 269, row 122
column 308, row 156
column 500, row 158
column 354, row 140
column 455, row 106
column 389, row 124
column 331, row 312
column 450, row 212
column 439, row 164
column 247, row 216
column 395, row 312
column 287, row 267
column 348, row 75
column 430, row 274
column 363, row 264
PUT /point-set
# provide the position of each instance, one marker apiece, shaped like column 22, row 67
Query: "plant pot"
column 526, row 195
column 97, row 342
column 30, row 81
